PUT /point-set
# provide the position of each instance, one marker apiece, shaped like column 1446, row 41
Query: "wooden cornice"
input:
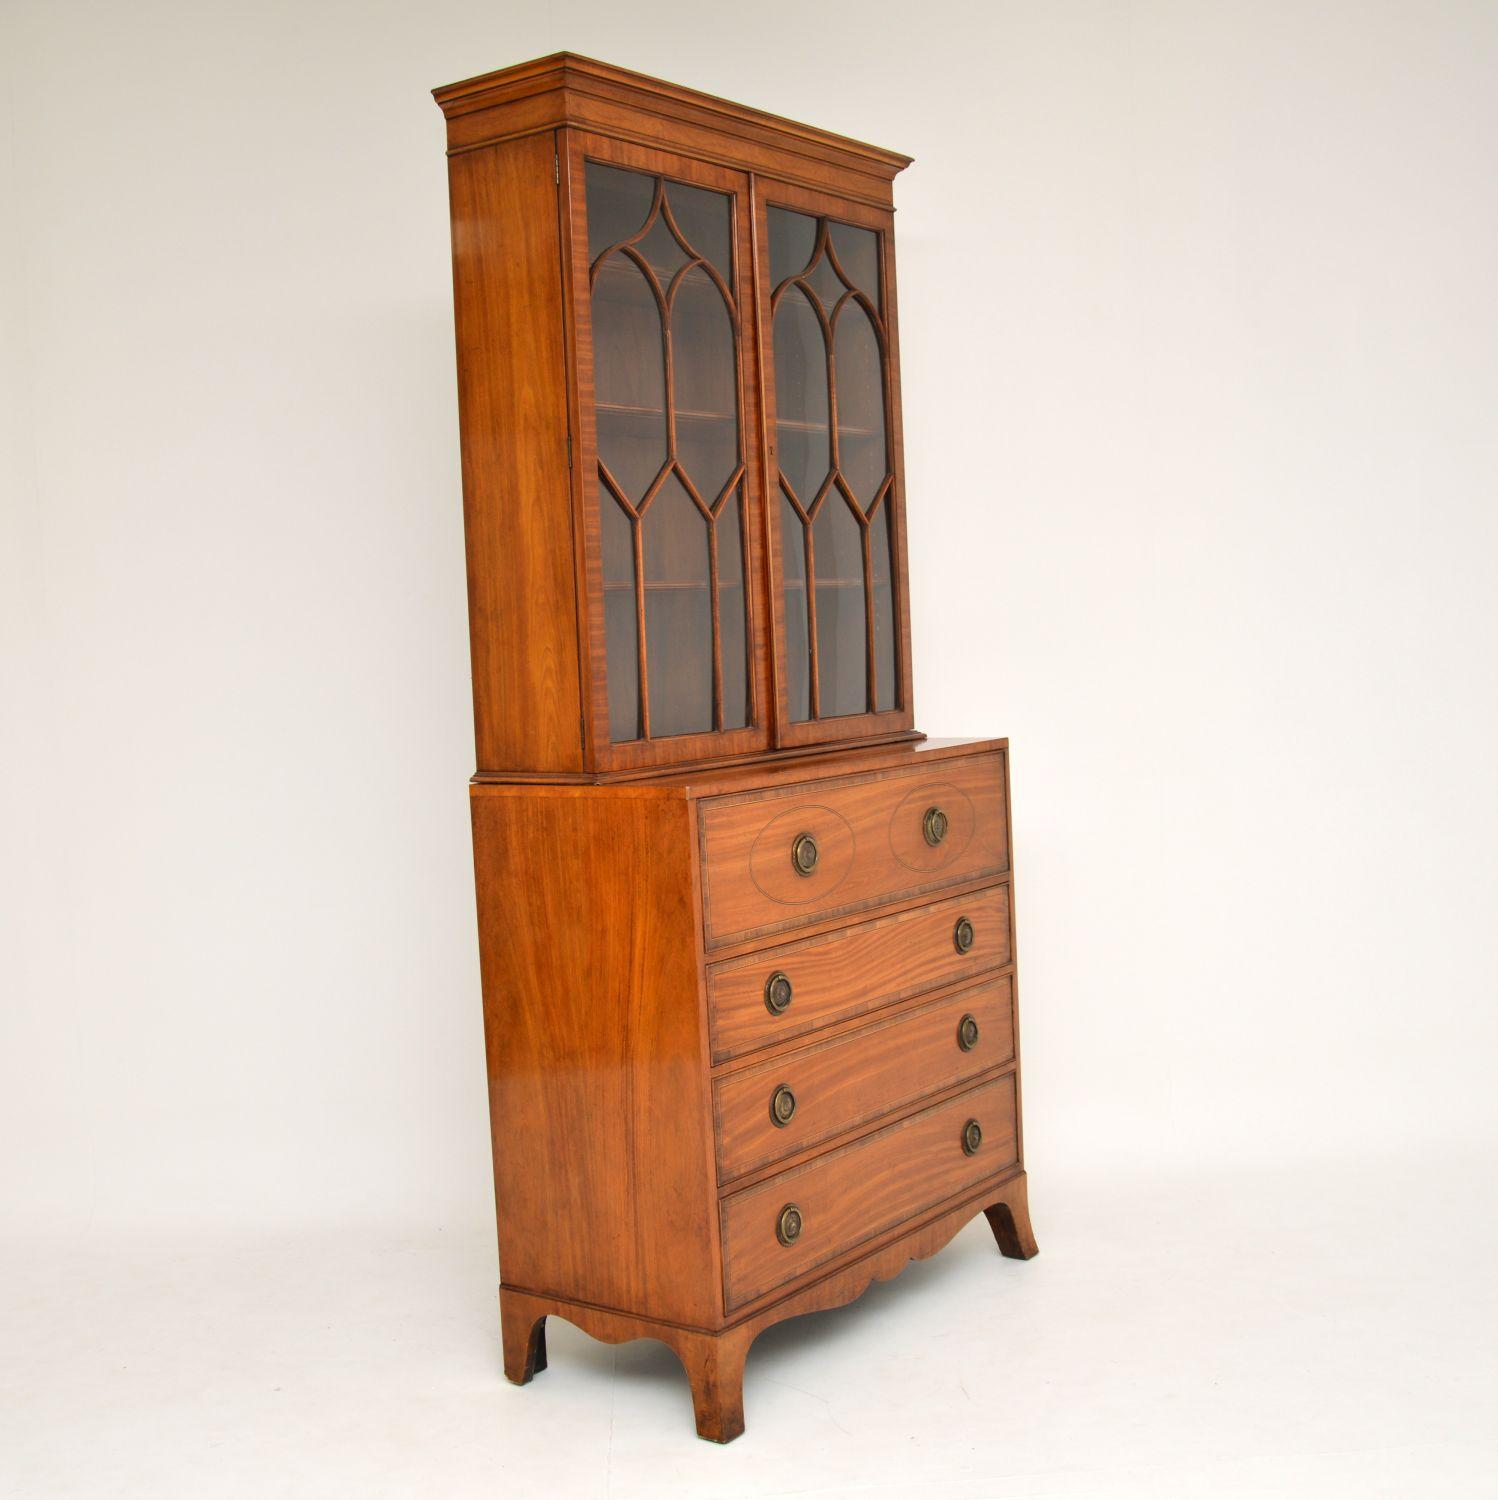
column 565, row 90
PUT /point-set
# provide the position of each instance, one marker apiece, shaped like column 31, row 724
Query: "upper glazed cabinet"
column 679, row 397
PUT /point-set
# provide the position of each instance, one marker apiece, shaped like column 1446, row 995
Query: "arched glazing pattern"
column 671, row 470
column 834, row 466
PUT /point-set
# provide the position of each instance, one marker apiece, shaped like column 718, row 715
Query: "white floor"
column 1329, row 1334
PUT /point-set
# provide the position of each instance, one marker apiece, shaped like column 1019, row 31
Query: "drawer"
column 852, row 970
column 774, row 861
column 768, row 1112
column 857, row 1192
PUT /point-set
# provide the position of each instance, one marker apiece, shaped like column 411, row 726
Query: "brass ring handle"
column 778, row 993
column 782, row 1106
column 804, row 854
column 967, row 1032
column 934, row 826
column 788, row 1225
column 972, row 1138
column 963, row 935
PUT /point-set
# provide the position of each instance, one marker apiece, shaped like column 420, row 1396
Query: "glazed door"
column 668, row 471
column 835, row 473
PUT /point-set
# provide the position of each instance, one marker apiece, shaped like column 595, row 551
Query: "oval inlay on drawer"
column 753, row 888
column 772, row 863
column 908, row 838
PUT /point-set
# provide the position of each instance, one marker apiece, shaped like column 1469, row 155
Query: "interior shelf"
column 622, row 409
column 619, row 409
column 793, row 426
column 673, row 587
column 790, row 585
column 798, row 585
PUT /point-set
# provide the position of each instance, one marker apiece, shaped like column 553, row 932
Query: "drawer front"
column 860, row 841
column 776, row 1109
column 852, row 970
column 852, row 1194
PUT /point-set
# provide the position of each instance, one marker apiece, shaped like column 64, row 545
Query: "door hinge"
column 556, row 167
column 569, row 450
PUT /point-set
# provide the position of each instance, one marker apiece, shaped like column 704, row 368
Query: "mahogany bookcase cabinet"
column 746, row 937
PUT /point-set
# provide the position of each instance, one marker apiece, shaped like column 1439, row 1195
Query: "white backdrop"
column 1200, row 335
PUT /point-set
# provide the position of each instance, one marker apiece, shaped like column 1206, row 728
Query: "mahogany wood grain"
column 601, row 754
column 788, row 768
column 565, row 89
column 855, row 1192
column 602, row 1126
column 853, row 970
column 526, row 399
column 1019, row 1086
column 714, row 1359
column 868, row 832
column 512, row 402
column 768, row 193
column 1009, row 1218
column 638, row 1175
column 844, row 1277
column 841, row 1084
column 524, row 1336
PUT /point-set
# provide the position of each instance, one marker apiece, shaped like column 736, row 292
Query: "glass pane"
column 860, row 403
column 633, row 445
column 621, row 633
column 803, row 445
column 707, row 427
column 884, row 611
column 661, row 249
column 826, row 283
column 731, row 614
column 792, row 238
column 618, row 202
column 858, row 255
column 797, row 647
column 629, row 360
column 678, row 614
column 842, row 627
column 839, row 625
column 629, row 372
column 672, row 446
column 705, row 219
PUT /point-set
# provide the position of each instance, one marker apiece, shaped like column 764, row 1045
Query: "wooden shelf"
column 842, row 432
column 798, row 585
column 670, row 587
column 617, row 409
column 620, row 409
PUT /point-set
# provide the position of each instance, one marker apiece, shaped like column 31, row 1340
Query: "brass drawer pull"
column 967, row 1032
column 804, row 854
column 778, row 993
column 972, row 1138
column 934, row 826
column 963, row 935
column 788, row 1225
column 782, row 1106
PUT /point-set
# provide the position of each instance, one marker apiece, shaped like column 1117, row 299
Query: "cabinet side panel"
column 517, row 508
column 595, row 1035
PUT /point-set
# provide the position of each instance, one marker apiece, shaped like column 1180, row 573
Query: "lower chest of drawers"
column 864, row 1073
column 750, row 1039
